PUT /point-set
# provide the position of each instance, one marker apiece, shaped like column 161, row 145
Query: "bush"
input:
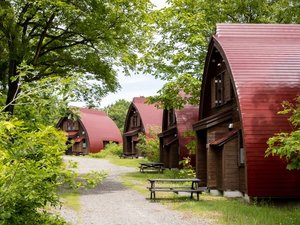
column 110, row 149
column 187, row 170
column 149, row 147
column 31, row 172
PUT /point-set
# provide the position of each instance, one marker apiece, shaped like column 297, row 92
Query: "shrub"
column 149, row 147
column 31, row 172
column 110, row 149
column 187, row 171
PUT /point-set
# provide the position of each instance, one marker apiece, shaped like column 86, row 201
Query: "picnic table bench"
column 127, row 155
column 175, row 186
column 156, row 166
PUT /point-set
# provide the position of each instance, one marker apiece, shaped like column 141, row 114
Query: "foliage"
column 84, row 40
column 111, row 149
column 149, row 146
column 31, row 171
column 117, row 112
column 171, row 96
column 184, row 29
column 187, row 171
column 287, row 145
column 192, row 145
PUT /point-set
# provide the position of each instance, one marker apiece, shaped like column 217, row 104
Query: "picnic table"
column 175, row 186
column 152, row 166
column 128, row 155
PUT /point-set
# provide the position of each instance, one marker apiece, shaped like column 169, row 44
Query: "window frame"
column 219, row 89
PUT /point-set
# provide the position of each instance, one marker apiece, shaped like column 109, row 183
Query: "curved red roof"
column 99, row 127
column 150, row 115
column 185, row 118
column 264, row 62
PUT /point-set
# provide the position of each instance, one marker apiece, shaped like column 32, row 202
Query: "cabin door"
column 174, row 155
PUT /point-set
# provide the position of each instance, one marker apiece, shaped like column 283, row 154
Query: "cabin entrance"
column 131, row 142
column 172, row 156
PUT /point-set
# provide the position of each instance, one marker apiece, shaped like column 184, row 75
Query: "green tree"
column 171, row 96
column 287, row 145
column 80, row 39
column 117, row 112
column 185, row 27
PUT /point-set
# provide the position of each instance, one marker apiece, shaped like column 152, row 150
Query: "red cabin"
column 141, row 118
column 176, row 134
column 250, row 70
column 91, row 132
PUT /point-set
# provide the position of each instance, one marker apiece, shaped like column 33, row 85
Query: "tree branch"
column 43, row 34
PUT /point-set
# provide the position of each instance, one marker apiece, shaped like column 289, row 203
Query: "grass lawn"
column 71, row 199
column 218, row 209
column 130, row 162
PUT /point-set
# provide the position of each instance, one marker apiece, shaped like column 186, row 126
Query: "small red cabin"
column 91, row 132
column 176, row 134
column 141, row 118
column 250, row 70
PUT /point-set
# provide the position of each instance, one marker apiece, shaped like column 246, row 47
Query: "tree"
column 287, row 145
column 32, row 170
column 117, row 112
column 171, row 96
column 80, row 39
column 185, row 27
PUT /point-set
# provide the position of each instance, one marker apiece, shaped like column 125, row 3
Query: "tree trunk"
column 13, row 89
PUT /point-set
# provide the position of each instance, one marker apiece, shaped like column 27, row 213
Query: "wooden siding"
column 174, row 138
column 141, row 118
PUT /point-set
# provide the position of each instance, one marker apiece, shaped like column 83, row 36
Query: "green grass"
column 129, row 162
column 215, row 208
column 71, row 200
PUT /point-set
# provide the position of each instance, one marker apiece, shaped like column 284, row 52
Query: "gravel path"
column 110, row 203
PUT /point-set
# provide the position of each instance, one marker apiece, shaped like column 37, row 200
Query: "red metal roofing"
column 264, row 60
column 150, row 115
column 99, row 127
column 185, row 118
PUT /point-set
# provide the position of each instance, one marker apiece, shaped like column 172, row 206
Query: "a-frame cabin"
column 250, row 70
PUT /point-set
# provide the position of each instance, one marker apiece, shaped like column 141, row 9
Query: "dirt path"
column 111, row 203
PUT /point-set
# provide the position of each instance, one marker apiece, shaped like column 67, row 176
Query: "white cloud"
column 134, row 86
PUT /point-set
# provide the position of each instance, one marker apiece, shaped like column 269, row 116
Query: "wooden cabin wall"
column 201, row 158
column 231, row 169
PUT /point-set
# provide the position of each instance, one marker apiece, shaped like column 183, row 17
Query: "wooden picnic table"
column 156, row 166
column 175, row 186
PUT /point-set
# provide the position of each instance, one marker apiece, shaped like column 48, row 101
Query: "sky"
column 135, row 85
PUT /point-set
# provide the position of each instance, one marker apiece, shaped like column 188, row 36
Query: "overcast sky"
column 136, row 85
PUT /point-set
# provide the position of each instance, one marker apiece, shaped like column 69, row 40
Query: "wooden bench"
column 175, row 186
column 128, row 155
column 151, row 166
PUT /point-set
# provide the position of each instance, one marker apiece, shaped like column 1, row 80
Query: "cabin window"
column 72, row 125
column 219, row 89
column 83, row 143
column 241, row 149
column 171, row 117
column 135, row 121
column 69, row 125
